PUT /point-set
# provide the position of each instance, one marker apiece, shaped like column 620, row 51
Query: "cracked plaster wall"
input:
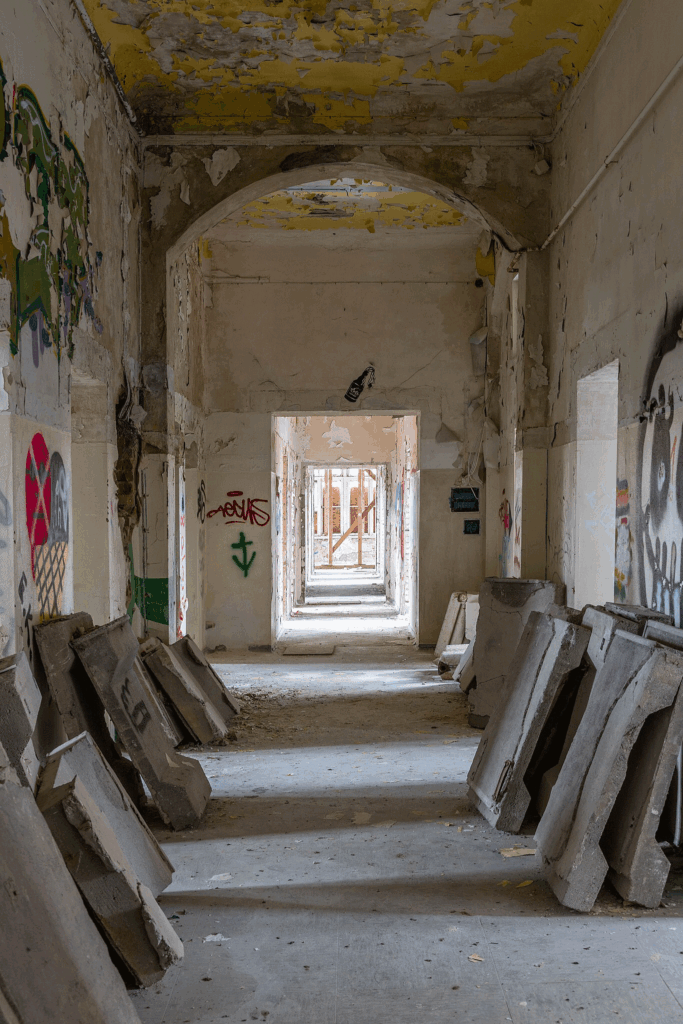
column 69, row 241
column 616, row 292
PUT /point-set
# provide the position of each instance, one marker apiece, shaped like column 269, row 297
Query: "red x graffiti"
column 38, row 494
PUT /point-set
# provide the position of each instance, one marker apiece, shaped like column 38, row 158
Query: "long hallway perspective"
column 340, row 876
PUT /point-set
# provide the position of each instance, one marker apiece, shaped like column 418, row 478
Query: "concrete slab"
column 548, row 653
column 455, row 615
column 77, row 700
column 129, row 915
column 19, row 706
column 174, row 729
column 464, row 672
column 178, row 785
column 671, row 820
column 637, row 613
column 211, row 683
column 603, row 626
column 299, row 650
column 504, row 607
column 54, row 964
column 636, row 680
column 639, row 868
column 450, row 659
column 200, row 716
column 81, row 757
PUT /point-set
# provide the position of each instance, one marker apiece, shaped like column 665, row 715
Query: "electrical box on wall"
column 464, row 499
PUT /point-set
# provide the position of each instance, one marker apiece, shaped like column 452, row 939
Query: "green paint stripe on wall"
column 151, row 597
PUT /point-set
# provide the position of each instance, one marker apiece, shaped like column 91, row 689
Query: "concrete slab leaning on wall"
column 130, row 917
column 44, row 921
column 548, row 652
column 178, row 784
column 637, row 679
column 80, row 757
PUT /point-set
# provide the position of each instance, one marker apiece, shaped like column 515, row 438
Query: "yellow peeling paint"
column 298, row 213
column 461, row 124
column 353, row 68
column 532, row 34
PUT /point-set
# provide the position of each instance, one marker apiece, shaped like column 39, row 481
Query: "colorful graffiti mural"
column 660, row 480
column 53, row 283
column 47, row 524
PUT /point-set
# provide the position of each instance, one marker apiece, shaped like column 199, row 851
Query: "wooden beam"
column 353, row 527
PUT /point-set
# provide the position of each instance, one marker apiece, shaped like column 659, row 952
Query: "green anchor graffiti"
column 244, row 565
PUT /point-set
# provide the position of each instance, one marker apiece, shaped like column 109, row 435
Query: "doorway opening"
column 597, row 397
column 345, row 493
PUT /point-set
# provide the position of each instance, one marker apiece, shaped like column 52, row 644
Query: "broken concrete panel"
column 197, row 712
column 504, row 607
column 108, row 884
column 178, row 784
column 603, row 626
column 464, row 673
column 636, row 680
column 549, row 650
column 79, row 705
column 19, row 706
column 173, row 728
column 47, row 935
column 80, row 757
column 671, row 819
column 211, row 683
column 455, row 616
column 637, row 613
column 639, row 867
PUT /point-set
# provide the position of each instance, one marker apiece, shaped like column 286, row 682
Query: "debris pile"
column 76, row 848
column 584, row 730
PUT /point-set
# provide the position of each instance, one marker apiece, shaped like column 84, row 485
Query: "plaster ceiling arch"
column 314, row 172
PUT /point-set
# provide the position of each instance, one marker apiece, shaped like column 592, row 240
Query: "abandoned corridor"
column 340, row 877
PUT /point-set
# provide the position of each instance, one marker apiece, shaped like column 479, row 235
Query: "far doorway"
column 345, row 528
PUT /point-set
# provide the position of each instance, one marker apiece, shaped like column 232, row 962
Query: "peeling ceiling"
column 322, row 66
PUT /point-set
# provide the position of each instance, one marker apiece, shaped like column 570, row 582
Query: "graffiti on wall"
column 244, row 565
column 660, row 477
column 47, row 524
column 244, row 511
column 53, row 281
column 201, row 502
column 505, row 516
column 623, row 543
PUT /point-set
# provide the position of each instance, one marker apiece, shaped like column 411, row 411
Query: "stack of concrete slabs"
column 550, row 649
column 177, row 783
column 81, row 758
column 54, row 964
column 637, row 679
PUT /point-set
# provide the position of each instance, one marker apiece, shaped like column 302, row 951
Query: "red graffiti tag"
column 245, row 511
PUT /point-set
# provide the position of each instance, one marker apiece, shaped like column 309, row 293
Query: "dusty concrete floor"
column 341, row 878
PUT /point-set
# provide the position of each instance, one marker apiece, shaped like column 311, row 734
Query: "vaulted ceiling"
column 429, row 67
